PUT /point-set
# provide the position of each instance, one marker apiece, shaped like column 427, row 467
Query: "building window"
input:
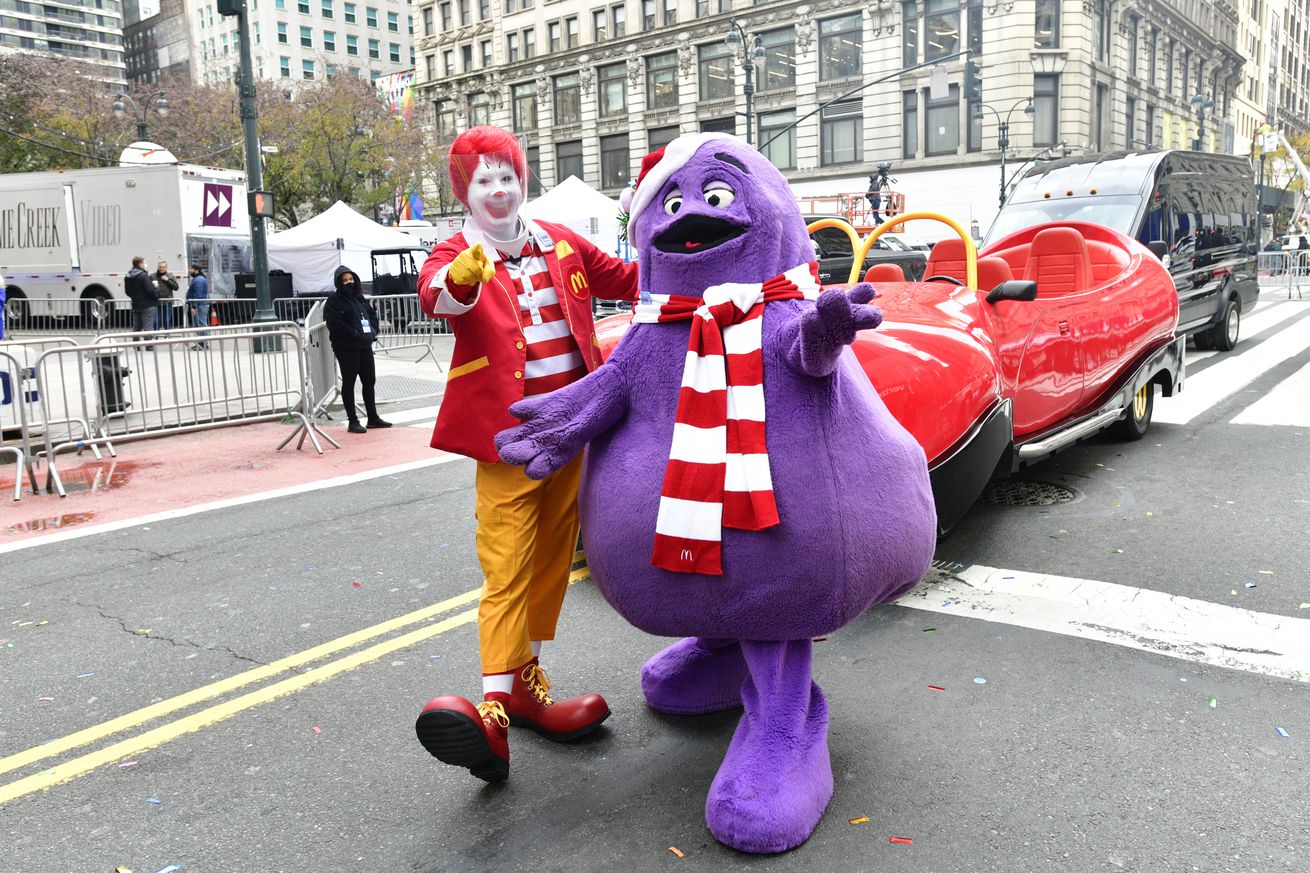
column 1046, row 107
column 716, row 63
column 1169, row 67
column 840, row 41
column 614, row 169
column 511, row 47
column 393, row 22
column 282, row 32
column 942, row 123
column 370, row 16
column 779, row 59
column 329, row 41
column 479, row 109
column 533, row 158
column 524, row 98
column 910, row 33
column 619, row 20
column 1134, row 25
column 352, row 46
column 553, row 36
column 1150, row 126
column 670, row 12
column 393, row 52
column 326, row 8
column 974, row 115
column 348, row 13
column 465, row 53
column 658, row 137
column 307, row 69
column 447, row 61
column 662, row 81
column 975, row 27
column 529, row 43
column 445, row 110
column 427, row 21
column 568, row 99
column 1152, row 45
column 571, row 32
column 778, row 147
column 485, row 45
column 1047, row 25
column 303, row 7
column 465, row 17
column 1100, row 25
column 719, row 125
column 598, row 25
column 611, row 90
column 373, row 51
column 284, row 67
column 841, row 132
column 306, row 37
column 568, row 160
column 1130, row 122
column 941, row 29
column 484, row 10
column 445, row 16
column 648, row 8
column 509, row 6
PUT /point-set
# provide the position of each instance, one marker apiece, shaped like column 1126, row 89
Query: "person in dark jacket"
column 166, row 286
column 353, row 328
column 141, row 291
column 197, row 297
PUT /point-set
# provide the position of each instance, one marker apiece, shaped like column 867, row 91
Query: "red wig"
column 471, row 146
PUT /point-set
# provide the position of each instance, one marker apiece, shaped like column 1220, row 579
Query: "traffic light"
column 261, row 204
column 231, row 7
column 972, row 82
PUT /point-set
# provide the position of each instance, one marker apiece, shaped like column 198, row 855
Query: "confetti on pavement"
column 358, row 584
column 155, row 800
column 171, row 868
column 861, row 820
column 316, row 729
column 936, row 688
column 1282, row 733
column 1248, row 585
column 929, row 630
column 904, row 841
column 1212, row 703
column 45, row 700
column 1266, row 572
column 126, row 764
column 85, row 675
column 675, row 850
column 978, row 680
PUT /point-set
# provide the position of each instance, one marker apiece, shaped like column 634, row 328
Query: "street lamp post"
column 752, row 50
column 157, row 100
column 1003, row 132
column 1202, row 102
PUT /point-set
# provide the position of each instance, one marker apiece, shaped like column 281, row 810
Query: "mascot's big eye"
column 718, row 194
column 673, row 202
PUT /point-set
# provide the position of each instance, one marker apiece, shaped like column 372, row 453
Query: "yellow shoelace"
column 493, row 710
column 535, row 676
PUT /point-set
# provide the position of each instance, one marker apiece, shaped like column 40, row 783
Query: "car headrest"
column 884, row 273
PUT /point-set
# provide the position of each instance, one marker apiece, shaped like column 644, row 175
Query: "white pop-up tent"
column 311, row 252
column 580, row 207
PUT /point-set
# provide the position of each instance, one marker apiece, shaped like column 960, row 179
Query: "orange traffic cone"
column 213, row 317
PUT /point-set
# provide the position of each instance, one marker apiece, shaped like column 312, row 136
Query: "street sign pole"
column 254, row 172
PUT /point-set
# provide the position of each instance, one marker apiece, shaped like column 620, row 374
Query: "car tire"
column 1225, row 334
column 1137, row 420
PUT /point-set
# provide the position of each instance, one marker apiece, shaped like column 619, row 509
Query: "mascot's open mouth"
column 696, row 233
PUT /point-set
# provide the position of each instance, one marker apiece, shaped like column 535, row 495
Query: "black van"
column 1195, row 210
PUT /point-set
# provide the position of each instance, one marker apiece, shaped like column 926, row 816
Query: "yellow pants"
column 527, row 535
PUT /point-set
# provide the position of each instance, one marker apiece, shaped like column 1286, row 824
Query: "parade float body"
column 1064, row 330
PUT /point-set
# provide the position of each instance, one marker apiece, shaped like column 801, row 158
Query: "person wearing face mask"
column 518, row 295
column 353, row 328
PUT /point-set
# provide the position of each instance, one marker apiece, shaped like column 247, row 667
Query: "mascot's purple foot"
column 695, row 676
column 776, row 779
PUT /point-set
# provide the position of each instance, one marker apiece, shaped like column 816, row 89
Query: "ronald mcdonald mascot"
column 518, row 296
column 745, row 487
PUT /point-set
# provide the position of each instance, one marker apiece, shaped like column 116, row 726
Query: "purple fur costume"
column 851, row 485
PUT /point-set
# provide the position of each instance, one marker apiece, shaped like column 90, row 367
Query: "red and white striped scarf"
column 718, row 472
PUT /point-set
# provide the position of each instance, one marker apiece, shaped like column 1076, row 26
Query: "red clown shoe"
column 529, row 705
column 477, row 737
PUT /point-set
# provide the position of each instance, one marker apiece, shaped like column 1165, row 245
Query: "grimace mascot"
column 745, row 488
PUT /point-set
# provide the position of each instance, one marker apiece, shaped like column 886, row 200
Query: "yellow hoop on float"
column 861, row 249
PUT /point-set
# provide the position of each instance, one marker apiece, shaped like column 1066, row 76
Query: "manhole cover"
column 1016, row 492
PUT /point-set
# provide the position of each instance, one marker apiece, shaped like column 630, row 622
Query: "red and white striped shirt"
column 553, row 359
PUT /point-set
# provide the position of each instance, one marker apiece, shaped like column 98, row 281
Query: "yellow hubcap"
column 1139, row 402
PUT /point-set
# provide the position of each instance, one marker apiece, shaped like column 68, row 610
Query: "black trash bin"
column 110, row 373
column 279, row 285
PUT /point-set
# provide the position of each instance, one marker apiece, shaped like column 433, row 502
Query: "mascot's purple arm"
column 557, row 425
column 857, row 521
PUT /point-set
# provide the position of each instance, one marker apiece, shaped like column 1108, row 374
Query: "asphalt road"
column 1074, row 754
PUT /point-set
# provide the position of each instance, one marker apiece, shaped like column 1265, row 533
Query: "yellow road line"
column 258, row 674
column 190, row 724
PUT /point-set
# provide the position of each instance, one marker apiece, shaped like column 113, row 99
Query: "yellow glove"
column 471, row 267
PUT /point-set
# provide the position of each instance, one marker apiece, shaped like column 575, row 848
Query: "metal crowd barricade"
column 178, row 381
column 1278, row 270
column 26, row 317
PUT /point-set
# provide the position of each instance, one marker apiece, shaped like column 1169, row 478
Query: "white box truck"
column 71, row 236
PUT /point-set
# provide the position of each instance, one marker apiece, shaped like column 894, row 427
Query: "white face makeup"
column 495, row 196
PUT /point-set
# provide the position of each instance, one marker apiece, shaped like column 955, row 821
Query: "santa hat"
column 656, row 168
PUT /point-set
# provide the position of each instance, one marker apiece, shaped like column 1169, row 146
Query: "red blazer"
column 486, row 370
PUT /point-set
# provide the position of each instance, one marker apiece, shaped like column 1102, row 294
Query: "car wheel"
column 97, row 308
column 1229, row 328
column 1137, row 419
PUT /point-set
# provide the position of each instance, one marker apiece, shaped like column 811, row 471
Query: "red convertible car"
column 1001, row 357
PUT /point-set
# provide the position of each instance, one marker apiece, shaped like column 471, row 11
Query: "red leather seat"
column 1107, row 261
column 1058, row 262
column 992, row 272
column 884, row 273
column 947, row 258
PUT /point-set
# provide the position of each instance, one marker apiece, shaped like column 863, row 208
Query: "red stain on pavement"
column 184, row 470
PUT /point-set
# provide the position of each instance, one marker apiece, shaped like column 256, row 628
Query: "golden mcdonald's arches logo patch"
column 578, row 283
column 563, row 249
